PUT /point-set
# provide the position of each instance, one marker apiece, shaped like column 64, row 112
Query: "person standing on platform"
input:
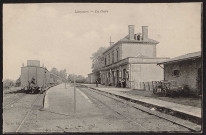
column 97, row 83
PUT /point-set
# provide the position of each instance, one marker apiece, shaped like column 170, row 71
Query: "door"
column 113, row 78
column 117, row 77
column 124, row 77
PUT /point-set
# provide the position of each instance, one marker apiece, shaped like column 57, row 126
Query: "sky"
column 58, row 36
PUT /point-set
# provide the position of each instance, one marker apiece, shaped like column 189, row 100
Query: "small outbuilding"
column 185, row 70
column 92, row 77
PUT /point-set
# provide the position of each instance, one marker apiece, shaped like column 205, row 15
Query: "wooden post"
column 144, row 86
column 140, row 85
column 152, row 86
column 148, row 86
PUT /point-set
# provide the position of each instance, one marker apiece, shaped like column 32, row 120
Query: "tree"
column 63, row 74
column 78, row 78
column 54, row 71
column 71, row 77
column 8, row 83
column 98, row 59
column 18, row 82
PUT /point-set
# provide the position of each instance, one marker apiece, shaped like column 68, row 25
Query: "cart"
column 167, row 88
column 159, row 88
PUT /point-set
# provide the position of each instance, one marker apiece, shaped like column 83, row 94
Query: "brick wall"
column 188, row 73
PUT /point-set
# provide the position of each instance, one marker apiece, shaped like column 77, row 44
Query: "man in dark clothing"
column 97, row 83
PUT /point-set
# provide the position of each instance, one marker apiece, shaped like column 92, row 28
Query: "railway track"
column 8, row 95
column 28, row 112
column 134, row 106
column 12, row 102
column 27, row 108
column 119, row 113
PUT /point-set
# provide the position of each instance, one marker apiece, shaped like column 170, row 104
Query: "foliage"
column 78, row 78
column 62, row 73
column 8, row 83
column 18, row 82
column 54, row 71
column 98, row 59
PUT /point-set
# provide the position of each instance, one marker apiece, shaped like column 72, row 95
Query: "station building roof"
column 184, row 57
column 127, row 40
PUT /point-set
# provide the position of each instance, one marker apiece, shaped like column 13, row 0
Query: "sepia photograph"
column 102, row 68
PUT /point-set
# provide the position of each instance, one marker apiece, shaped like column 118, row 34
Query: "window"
column 176, row 73
column 113, row 57
column 109, row 58
column 117, row 55
column 105, row 61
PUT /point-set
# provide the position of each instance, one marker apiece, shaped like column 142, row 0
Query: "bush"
column 78, row 78
column 18, row 82
column 8, row 83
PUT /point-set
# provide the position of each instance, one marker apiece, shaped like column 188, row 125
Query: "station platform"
column 186, row 107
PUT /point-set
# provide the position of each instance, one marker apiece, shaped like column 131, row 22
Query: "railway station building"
column 185, row 70
column 131, row 60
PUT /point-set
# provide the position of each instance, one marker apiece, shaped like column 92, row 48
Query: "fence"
column 148, row 86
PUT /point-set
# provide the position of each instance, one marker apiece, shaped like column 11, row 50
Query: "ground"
column 196, row 102
column 95, row 112
column 191, row 101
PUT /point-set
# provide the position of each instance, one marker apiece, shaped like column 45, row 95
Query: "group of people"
column 121, row 82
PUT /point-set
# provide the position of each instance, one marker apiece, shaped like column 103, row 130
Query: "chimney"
column 144, row 32
column 131, row 32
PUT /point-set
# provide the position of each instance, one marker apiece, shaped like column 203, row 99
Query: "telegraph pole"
column 65, row 84
column 66, row 81
column 74, row 94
